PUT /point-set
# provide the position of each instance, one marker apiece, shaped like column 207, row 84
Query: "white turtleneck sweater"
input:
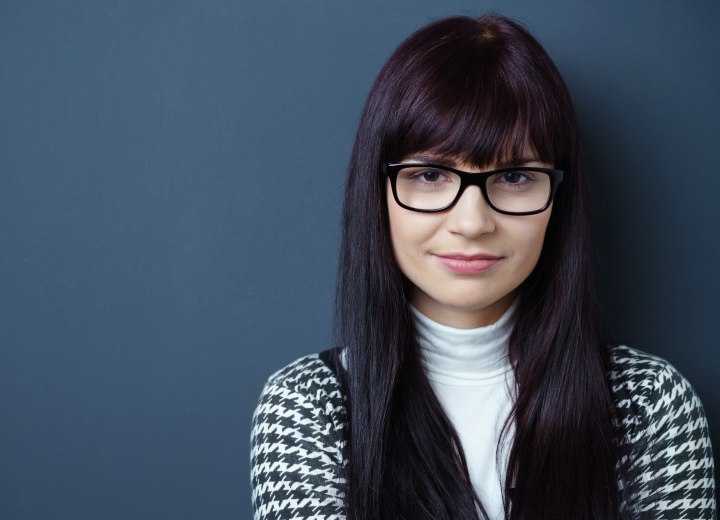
column 472, row 377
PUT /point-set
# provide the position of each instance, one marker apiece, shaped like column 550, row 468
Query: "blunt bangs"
column 479, row 92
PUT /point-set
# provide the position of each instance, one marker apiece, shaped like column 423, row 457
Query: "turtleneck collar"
column 465, row 357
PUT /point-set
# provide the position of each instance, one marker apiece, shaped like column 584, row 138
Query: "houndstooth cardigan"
column 297, row 444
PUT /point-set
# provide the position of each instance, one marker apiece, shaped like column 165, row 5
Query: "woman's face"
column 465, row 264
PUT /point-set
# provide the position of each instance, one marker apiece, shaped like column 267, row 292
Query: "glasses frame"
column 473, row 179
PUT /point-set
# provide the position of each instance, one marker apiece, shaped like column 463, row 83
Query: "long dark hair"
column 476, row 91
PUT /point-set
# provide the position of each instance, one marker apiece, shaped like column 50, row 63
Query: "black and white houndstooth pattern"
column 298, row 448
column 668, row 462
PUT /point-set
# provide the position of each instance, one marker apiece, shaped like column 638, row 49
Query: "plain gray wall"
column 170, row 186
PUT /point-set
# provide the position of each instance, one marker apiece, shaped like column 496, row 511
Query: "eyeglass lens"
column 429, row 188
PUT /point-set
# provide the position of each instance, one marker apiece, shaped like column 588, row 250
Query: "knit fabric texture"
column 298, row 442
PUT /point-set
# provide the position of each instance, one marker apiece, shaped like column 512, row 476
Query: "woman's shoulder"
column 628, row 363
column 639, row 374
column 645, row 385
column 664, row 440
column 301, row 402
column 306, row 372
column 308, row 384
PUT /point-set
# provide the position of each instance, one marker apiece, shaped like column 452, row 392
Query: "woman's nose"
column 471, row 216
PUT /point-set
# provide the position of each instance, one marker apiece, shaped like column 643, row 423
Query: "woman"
column 473, row 379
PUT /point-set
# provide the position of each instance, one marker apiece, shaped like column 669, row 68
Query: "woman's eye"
column 429, row 176
column 514, row 178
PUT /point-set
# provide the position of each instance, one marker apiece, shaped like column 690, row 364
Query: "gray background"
column 170, row 185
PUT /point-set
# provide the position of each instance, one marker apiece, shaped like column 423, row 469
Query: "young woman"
column 472, row 378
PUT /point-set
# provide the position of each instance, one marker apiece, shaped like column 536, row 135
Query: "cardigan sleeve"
column 668, row 464
column 297, row 446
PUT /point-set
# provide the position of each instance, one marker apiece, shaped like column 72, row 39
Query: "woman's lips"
column 468, row 264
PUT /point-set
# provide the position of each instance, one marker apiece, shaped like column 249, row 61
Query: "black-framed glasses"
column 518, row 190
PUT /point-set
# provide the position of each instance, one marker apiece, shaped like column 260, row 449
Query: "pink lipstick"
column 468, row 264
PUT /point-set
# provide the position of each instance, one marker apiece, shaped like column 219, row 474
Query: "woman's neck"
column 464, row 356
column 458, row 317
